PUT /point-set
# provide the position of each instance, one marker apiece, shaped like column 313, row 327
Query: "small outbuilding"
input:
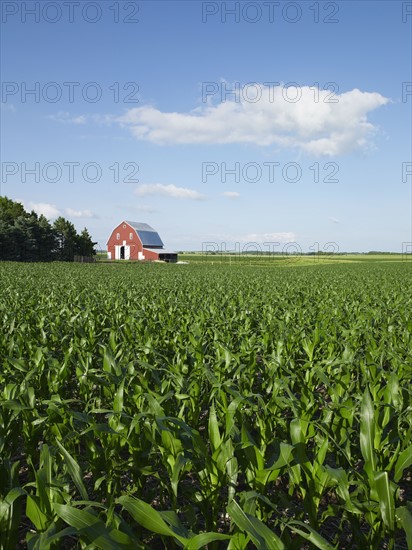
column 137, row 241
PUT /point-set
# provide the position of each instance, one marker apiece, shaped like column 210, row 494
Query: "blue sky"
column 322, row 90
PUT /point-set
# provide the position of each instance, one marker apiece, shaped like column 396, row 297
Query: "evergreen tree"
column 47, row 240
column 27, row 237
column 10, row 210
column 66, row 239
column 10, row 235
column 85, row 245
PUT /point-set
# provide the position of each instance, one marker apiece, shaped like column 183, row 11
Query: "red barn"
column 137, row 241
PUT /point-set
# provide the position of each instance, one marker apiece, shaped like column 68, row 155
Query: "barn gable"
column 148, row 236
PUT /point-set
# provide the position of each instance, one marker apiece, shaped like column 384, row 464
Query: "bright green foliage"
column 205, row 406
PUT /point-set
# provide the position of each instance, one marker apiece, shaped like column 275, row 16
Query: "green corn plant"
column 11, row 500
column 232, row 405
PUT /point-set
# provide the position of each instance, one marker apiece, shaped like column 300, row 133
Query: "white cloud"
column 285, row 237
column 259, row 238
column 146, row 189
column 50, row 211
column 334, row 220
column 64, row 116
column 316, row 127
column 8, row 107
column 144, row 208
column 231, row 194
column 80, row 213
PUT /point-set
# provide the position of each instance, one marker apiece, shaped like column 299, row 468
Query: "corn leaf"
column 386, row 499
column 74, row 470
column 404, row 461
column 405, row 518
column 261, row 535
column 367, row 430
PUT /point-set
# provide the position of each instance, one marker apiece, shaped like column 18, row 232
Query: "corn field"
column 206, row 406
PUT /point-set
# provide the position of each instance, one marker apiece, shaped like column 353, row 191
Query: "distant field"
column 245, row 259
column 291, row 260
column 233, row 404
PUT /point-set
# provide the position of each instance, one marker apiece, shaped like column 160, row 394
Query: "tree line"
column 28, row 237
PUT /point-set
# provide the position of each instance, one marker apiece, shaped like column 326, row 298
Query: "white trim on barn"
column 118, row 251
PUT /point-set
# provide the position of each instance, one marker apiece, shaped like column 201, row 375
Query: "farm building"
column 137, row 241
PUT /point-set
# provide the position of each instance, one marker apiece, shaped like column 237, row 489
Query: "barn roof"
column 146, row 234
column 160, row 251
